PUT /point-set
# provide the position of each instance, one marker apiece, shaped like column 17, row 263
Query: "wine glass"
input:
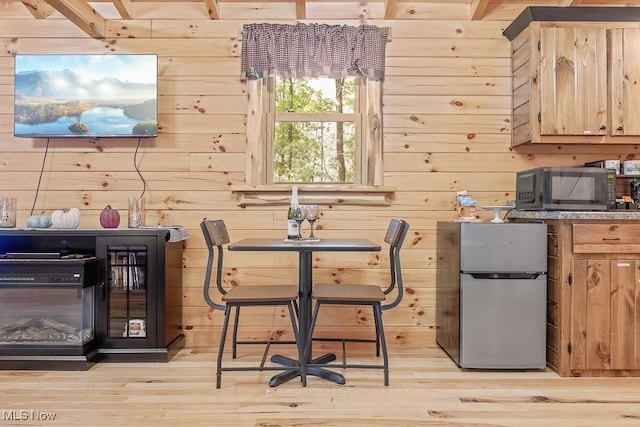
column 299, row 214
column 313, row 212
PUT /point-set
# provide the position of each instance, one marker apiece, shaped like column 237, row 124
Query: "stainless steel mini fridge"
column 491, row 294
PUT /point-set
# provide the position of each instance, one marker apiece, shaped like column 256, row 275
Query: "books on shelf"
column 127, row 272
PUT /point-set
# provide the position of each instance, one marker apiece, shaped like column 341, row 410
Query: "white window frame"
column 368, row 188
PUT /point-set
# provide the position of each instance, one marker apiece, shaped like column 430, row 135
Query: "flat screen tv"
column 86, row 96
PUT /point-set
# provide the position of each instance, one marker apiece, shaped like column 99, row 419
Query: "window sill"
column 321, row 194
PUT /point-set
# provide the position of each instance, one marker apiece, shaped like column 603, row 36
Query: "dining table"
column 305, row 249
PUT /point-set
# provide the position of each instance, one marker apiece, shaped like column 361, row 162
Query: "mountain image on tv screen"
column 86, row 96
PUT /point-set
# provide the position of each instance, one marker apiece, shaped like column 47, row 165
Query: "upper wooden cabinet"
column 575, row 80
column 624, row 85
column 572, row 81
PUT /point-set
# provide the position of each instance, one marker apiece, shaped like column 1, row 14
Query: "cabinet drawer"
column 606, row 238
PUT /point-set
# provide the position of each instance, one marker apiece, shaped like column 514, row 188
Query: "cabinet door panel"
column 636, row 317
column 127, row 313
column 578, row 315
column 591, row 342
column 624, row 60
column 573, row 82
column 623, row 316
column 605, row 319
column 598, row 314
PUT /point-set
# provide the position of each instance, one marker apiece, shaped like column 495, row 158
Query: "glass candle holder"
column 136, row 212
column 8, row 212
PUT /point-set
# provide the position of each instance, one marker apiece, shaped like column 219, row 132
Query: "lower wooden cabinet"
column 605, row 319
column 593, row 298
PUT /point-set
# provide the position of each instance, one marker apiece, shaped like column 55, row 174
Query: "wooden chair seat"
column 347, row 293
column 263, row 294
column 216, row 236
column 363, row 295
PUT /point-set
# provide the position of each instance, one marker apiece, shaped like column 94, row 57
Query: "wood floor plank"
column 426, row 389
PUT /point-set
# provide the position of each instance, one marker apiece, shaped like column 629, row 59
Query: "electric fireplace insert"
column 47, row 311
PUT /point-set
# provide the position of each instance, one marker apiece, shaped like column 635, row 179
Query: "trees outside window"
column 316, row 131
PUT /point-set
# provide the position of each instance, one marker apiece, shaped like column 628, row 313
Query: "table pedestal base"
column 326, row 374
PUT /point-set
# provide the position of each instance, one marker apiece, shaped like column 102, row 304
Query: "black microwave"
column 566, row 189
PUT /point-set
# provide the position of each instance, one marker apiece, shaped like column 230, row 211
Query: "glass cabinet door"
column 127, row 313
column 127, row 309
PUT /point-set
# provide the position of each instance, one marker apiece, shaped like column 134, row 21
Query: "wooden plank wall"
column 447, row 124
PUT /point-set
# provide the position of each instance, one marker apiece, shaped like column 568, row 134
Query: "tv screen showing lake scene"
column 88, row 96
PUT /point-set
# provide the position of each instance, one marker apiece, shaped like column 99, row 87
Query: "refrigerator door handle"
column 524, row 275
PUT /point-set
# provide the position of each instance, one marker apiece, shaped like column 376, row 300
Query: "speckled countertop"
column 542, row 215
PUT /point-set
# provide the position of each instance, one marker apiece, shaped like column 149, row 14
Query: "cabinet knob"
column 603, row 127
column 620, row 128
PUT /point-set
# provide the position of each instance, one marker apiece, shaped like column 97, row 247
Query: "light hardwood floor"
column 426, row 389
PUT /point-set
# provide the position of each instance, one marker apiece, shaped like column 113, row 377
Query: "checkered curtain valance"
column 313, row 50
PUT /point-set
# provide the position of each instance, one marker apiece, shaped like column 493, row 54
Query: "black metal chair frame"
column 395, row 236
column 215, row 243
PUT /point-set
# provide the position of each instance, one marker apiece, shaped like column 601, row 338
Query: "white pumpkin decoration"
column 65, row 218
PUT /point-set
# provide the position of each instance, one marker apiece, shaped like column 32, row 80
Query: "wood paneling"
column 447, row 127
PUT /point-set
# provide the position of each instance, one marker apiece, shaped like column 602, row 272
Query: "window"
column 316, row 131
column 333, row 154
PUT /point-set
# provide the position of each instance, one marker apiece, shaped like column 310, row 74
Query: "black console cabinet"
column 137, row 304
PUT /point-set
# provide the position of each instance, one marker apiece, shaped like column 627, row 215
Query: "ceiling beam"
column 40, row 9
column 83, row 15
column 124, row 8
column 479, row 9
column 212, row 9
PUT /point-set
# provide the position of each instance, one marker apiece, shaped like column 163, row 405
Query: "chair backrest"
column 215, row 235
column 216, row 232
column 396, row 233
